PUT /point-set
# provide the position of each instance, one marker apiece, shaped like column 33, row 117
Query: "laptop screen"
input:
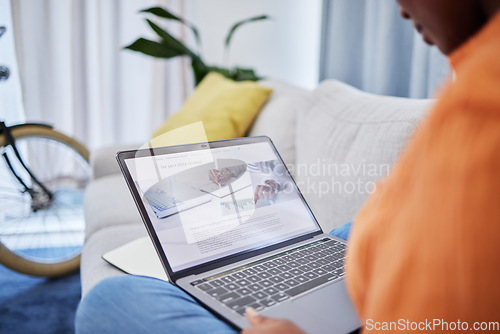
column 210, row 203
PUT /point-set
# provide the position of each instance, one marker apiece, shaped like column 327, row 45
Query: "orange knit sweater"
column 426, row 246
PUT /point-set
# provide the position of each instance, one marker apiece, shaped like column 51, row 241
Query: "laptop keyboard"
column 270, row 281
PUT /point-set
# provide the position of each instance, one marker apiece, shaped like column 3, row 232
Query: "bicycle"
column 43, row 177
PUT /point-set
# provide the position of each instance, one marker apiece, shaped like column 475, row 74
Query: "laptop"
column 259, row 245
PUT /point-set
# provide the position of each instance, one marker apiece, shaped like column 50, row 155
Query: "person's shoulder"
column 466, row 118
column 478, row 83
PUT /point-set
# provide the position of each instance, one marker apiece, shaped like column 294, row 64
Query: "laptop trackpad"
column 331, row 305
column 307, row 322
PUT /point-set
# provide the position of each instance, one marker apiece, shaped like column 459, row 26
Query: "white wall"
column 285, row 48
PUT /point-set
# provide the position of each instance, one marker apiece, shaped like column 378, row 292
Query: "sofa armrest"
column 103, row 160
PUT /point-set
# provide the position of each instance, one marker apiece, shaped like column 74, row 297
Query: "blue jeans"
column 136, row 304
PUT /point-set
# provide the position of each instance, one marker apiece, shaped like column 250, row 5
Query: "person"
column 424, row 248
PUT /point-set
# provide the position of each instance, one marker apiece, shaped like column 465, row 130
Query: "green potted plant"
column 170, row 47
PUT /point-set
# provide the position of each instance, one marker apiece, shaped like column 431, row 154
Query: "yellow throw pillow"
column 225, row 107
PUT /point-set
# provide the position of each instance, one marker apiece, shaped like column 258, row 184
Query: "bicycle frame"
column 10, row 141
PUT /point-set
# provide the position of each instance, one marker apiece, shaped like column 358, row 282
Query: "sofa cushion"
column 103, row 159
column 278, row 117
column 108, row 202
column 93, row 267
column 345, row 142
column 226, row 108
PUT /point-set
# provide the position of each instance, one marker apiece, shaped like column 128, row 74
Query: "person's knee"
column 138, row 299
column 133, row 304
column 110, row 299
column 342, row 231
column 94, row 306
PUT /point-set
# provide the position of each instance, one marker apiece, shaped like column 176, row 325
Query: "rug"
column 37, row 305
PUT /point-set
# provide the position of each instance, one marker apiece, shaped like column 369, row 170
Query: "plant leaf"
column 243, row 74
column 239, row 24
column 162, row 12
column 155, row 49
column 200, row 70
column 171, row 41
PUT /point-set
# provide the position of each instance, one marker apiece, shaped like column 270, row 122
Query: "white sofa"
column 336, row 140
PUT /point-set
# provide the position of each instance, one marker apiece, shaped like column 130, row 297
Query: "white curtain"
column 367, row 44
column 11, row 106
column 76, row 75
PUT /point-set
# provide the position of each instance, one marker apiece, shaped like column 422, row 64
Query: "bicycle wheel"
column 42, row 237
